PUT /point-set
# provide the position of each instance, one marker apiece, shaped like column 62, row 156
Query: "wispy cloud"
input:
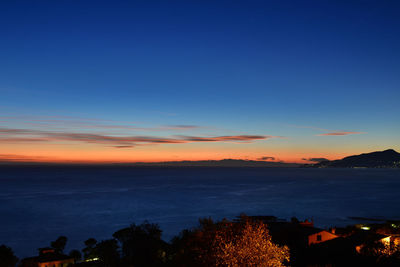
column 228, row 138
column 266, row 158
column 180, row 127
column 315, row 159
column 327, row 132
column 18, row 158
column 339, row 133
column 22, row 139
column 68, row 122
column 123, row 146
column 32, row 135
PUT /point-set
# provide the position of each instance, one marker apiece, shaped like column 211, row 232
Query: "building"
column 316, row 236
column 48, row 257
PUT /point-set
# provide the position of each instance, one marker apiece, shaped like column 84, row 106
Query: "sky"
column 143, row 81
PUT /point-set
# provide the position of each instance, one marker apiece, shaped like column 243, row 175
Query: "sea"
column 40, row 203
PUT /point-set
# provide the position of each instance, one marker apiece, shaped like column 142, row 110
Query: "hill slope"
column 380, row 159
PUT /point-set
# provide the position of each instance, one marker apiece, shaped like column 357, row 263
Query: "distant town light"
column 92, row 259
column 365, row 228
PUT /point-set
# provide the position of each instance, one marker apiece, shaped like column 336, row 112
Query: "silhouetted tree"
column 76, row 254
column 107, row 251
column 294, row 220
column 89, row 251
column 142, row 245
column 59, row 243
column 7, row 257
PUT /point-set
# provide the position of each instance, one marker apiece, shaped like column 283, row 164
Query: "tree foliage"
column 381, row 254
column 250, row 245
column 59, row 243
column 142, row 245
column 89, row 249
column 76, row 254
column 107, row 251
column 228, row 243
column 7, row 257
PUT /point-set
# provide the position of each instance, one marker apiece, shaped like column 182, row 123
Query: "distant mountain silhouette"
column 185, row 163
column 380, row 159
column 217, row 163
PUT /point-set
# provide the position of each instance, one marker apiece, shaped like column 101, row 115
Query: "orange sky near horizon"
column 63, row 139
column 94, row 153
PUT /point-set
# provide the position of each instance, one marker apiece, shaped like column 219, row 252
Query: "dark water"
column 37, row 204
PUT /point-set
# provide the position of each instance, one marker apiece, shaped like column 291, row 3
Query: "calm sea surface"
column 38, row 204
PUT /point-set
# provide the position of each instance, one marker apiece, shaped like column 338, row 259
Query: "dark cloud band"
column 30, row 135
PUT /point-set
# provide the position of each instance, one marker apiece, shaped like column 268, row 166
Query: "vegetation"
column 251, row 246
column 59, row 244
column 225, row 243
column 380, row 159
column 7, row 257
column 141, row 245
column 247, row 241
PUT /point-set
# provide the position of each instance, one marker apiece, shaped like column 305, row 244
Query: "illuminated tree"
column 225, row 243
column 381, row 255
column 251, row 246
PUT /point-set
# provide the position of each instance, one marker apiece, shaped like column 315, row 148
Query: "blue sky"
column 272, row 68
